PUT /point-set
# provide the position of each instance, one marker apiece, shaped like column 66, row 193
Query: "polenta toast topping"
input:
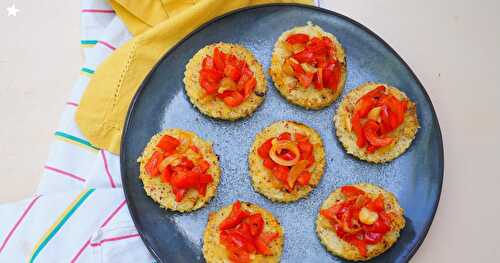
column 359, row 219
column 227, row 78
column 376, row 114
column 313, row 61
column 289, row 158
column 179, row 163
column 242, row 233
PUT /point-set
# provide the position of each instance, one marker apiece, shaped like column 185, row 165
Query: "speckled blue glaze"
column 161, row 102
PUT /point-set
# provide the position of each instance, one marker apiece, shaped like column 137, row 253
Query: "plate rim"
column 125, row 182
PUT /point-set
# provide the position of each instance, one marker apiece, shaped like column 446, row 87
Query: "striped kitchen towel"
column 79, row 213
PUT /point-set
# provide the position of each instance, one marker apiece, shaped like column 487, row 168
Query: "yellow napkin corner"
column 157, row 26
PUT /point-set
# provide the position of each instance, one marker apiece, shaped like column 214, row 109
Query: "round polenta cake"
column 215, row 107
column 215, row 252
column 263, row 179
column 403, row 135
column 340, row 247
column 161, row 192
column 309, row 98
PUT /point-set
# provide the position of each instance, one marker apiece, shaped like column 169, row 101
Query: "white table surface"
column 452, row 45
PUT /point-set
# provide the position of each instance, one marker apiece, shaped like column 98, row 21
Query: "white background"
column 452, row 45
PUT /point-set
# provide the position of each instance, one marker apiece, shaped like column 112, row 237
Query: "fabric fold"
column 104, row 105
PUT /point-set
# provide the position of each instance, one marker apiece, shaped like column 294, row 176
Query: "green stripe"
column 88, row 42
column 87, row 70
column 60, row 224
column 75, row 139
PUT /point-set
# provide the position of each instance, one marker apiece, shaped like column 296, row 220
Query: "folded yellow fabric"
column 157, row 26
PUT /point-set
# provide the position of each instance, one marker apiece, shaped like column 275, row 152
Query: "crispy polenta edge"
column 341, row 248
column 308, row 98
column 404, row 134
column 262, row 179
column 216, row 108
column 214, row 252
column 161, row 192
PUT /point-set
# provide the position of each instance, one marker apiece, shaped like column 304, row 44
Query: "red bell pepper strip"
column 256, row 224
column 297, row 68
column 168, row 143
column 360, row 244
column 304, row 178
column 370, row 130
column 300, row 137
column 203, row 166
column 166, row 174
column 287, row 155
column 351, row 191
column 232, row 72
column 219, row 60
column 211, row 75
column 269, row 163
column 235, row 217
column 187, row 179
column 232, row 98
column 358, row 130
column 249, row 86
column 377, row 205
column 179, row 193
column 153, row 163
column 285, row 136
column 264, row 149
column 318, row 79
column 304, row 56
column 298, row 39
column 263, row 241
column 208, row 63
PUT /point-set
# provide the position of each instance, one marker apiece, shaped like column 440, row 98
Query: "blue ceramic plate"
column 161, row 102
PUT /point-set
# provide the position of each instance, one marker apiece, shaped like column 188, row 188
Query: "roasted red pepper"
column 242, row 233
column 153, row 163
column 373, row 132
column 263, row 150
column 280, row 172
column 370, row 131
column 297, row 38
column 182, row 176
column 234, row 72
column 344, row 218
column 319, row 54
column 351, row 191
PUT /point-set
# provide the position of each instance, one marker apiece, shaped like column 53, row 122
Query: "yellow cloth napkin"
column 157, row 26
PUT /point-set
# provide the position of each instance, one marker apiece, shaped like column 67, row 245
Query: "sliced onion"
column 308, row 68
column 287, row 68
column 294, row 48
column 169, row 160
column 296, row 171
column 367, row 216
column 279, row 146
column 374, row 114
column 185, row 139
column 226, row 84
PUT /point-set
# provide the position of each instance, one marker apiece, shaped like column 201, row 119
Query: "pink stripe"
column 98, row 11
column 114, row 213
column 80, row 251
column 106, row 167
column 64, row 173
column 72, row 103
column 113, row 239
column 11, row 232
column 87, row 243
column 107, row 44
